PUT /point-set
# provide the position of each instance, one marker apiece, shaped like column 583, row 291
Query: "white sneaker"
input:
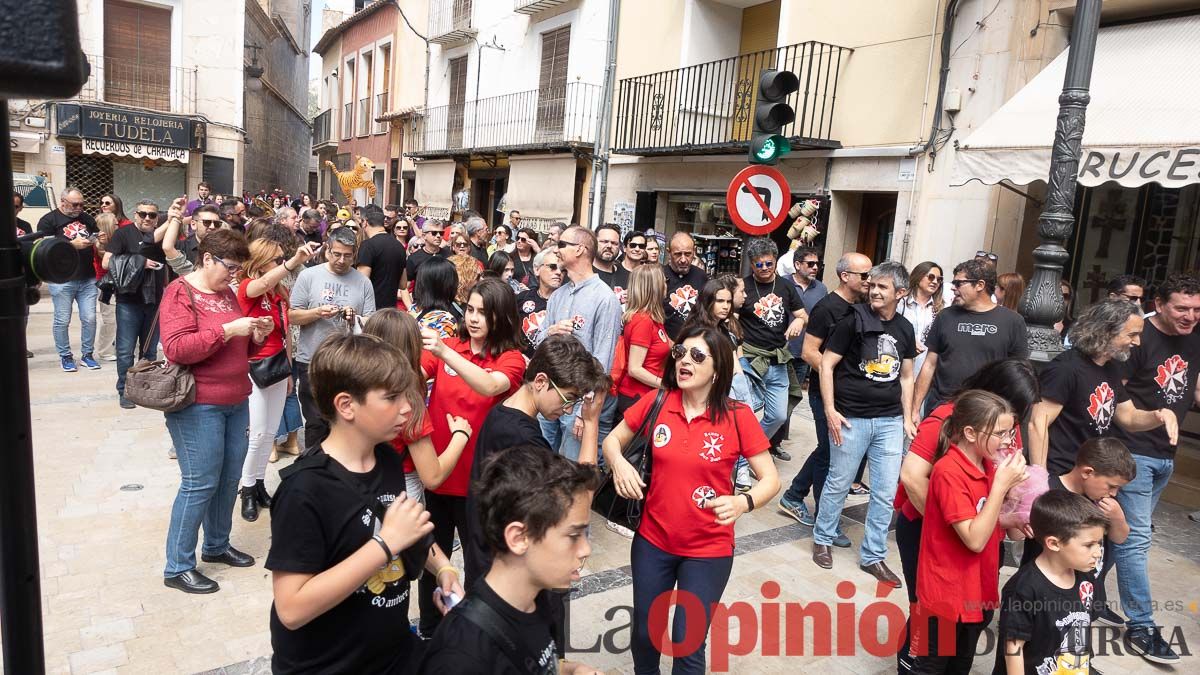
column 109, row 357
column 619, row 529
column 741, row 479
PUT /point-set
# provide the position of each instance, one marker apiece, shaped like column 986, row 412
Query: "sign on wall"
column 132, row 128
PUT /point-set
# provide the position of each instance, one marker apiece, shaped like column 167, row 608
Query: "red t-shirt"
column 953, row 581
column 267, row 304
column 450, row 394
column 401, row 442
column 692, row 460
column 642, row 331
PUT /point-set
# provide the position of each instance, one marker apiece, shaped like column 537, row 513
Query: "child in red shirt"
column 958, row 566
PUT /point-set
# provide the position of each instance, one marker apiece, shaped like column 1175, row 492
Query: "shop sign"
column 93, row 146
column 130, row 127
column 1172, row 167
column 23, row 141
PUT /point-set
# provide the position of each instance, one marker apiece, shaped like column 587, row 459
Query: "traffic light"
column 771, row 114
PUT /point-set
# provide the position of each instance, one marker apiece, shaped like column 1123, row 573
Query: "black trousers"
column 316, row 429
column 908, row 543
column 958, row 660
column 447, row 513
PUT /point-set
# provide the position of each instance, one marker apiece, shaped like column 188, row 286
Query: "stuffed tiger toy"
column 358, row 177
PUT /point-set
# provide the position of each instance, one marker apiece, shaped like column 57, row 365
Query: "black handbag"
column 273, row 369
column 612, row 506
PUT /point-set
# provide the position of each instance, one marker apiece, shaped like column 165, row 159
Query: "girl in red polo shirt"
column 644, row 338
column 470, row 373
column 958, row 567
column 685, row 538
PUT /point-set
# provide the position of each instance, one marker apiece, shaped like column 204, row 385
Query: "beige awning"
column 542, row 186
column 25, row 141
column 435, row 182
column 1142, row 123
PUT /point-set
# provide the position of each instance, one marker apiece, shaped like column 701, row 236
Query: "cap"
column 344, row 214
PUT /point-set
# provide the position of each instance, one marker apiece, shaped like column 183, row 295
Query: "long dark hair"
column 500, row 312
column 702, row 313
column 496, row 264
column 1012, row 380
column 973, row 408
column 436, row 285
column 719, row 404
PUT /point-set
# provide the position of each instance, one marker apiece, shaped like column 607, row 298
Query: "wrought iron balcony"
column 155, row 86
column 322, row 128
column 381, row 102
column 450, row 22
column 553, row 117
column 535, row 6
column 709, row 108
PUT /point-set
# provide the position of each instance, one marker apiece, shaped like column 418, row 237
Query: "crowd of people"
column 438, row 370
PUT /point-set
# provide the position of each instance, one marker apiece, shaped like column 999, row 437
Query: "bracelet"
column 383, row 544
column 460, row 431
column 289, row 270
column 749, row 500
column 443, row 568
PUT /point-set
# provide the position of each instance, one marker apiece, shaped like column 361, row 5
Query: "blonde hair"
column 262, row 253
column 107, row 222
column 401, row 330
column 647, row 288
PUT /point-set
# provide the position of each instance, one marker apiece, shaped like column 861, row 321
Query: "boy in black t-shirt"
column 540, row 541
column 1045, row 607
column 339, row 605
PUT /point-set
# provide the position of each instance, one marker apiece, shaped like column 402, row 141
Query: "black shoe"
column 261, row 497
column 126, row 403
column 1107, row 617
column 1147, row 642
column 191, row 581
column 231, row 557
column 780, row 454
column 249, row 504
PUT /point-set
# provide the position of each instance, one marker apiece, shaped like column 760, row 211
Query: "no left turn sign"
column 758, row 199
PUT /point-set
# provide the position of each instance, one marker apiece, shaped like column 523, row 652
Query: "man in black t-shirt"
column 684, row 281
column 431, row 233
column 866, row 385
column 966, row 336
column 381, row 258
column 852, row 271
column 507, row 623
column 70, row 223
column 1082, row 392
column 1160, row 373
column 607, row 264
column 531, row 303
column 137, row 305
column 771, row 315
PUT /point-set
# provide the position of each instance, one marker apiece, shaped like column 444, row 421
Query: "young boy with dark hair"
column 1045, row 608
column 1102, row 467
column 339, row 605
column 539, row 538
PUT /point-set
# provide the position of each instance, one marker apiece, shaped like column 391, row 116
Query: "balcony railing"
column 321, row 128
column 380, row 108
column 364, row 116
column 450, row 21
column 156, row 86
column 709, row 108
column 542, row 118
column 348, row 121
column 535, row 6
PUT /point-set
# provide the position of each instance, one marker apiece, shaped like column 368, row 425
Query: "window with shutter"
column 458, row 97
column 137, row 55
column 552, row 84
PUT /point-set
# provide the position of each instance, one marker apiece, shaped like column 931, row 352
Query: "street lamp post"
column 1042, row 304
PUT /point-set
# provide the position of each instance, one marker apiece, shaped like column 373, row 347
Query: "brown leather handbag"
column 162, row 385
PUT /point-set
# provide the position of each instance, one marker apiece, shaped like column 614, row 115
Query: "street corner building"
column 179, row 92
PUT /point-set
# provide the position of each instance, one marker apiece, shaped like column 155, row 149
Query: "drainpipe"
column 604, row 124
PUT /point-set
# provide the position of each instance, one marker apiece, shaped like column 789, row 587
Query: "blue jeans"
column 1138, row 499
column 82, row 292
column 772, row 390
column 210, row 441
column 656, row 572
column 136, row 334
column 562, row 439
column 881, row 440
column 812, row 475
column 291, row 420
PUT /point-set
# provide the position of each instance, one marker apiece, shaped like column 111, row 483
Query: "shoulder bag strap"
column 486, row 619
column 154, row 322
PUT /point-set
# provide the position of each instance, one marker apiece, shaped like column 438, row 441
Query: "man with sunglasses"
column 1129, row 288
column 139, row 247
column 964, row 337
column 70, row 223
column 531, row 303
column 635, row 251
column 431, row 246
column 811, row 291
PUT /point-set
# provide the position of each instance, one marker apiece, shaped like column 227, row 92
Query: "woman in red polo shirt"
column 644, row 338
column 958, row 570
column 470, row 373
column 685, row 539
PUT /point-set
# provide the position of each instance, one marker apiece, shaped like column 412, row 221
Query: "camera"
column 46, row 258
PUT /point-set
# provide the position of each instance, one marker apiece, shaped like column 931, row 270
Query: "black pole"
column 20, row 578
column 1042, row 305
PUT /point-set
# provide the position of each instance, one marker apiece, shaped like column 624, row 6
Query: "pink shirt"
column 221, row 368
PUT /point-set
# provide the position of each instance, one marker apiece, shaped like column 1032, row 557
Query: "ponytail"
column 973, row 408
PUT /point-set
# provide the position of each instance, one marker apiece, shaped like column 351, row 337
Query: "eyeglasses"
column 933, row 277
column 861, row 275
column 698, row 355
column 567, row 403
column 957, row 283
column 634, row 244
column 764, row 264
column 209, row 223
column 339, row 256
column 563, row 243
column 986, row 254
column 811, row 263
column 1005, row 437
column 233, row 268
column 553, row 267
column 152, row 215
column 279, row 260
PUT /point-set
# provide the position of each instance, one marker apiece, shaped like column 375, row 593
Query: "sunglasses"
column 861, row 275
column 957, row 283
column 811, row 263
column 459, row 244
column 208, row 223
column 563, row 243
column 634, row 244
column 106, row 202
column 437, row 232
column 279, row 260
column 553, row 267
column 152, row 215
column 986, row 254
column 1131, row 298
column 933, row 277
column 698, row 355
column 764, row 264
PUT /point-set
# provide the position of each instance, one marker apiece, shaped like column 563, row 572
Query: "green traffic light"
column 767, row 151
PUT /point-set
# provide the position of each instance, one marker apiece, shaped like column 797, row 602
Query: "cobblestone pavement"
column 106, row 610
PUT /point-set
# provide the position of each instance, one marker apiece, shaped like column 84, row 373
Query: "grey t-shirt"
column 595, row 312
column 965, row 341
column 318, row 286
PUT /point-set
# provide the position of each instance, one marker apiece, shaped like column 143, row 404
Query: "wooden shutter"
column 137, row 55
column 552, row 81
column 458, row 97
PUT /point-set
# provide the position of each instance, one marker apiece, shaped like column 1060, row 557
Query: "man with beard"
column 1083, row 392
column 967, row 336
column 608, row 249
column 532, row 303
column 684, row 281
column 310, row 226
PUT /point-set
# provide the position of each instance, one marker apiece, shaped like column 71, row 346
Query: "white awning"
column 1143, row 122
column 542, row 186
column 435, row 182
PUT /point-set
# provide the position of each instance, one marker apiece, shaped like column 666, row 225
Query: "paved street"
column 105, row 488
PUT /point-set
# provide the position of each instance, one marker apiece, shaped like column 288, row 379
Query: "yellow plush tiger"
column 358, row 177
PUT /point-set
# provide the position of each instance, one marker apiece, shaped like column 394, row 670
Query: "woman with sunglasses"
column 502, row 240
column 262, row 293
column 471, row 373
column 112, row 204
column 203, row 328
column 459, row 244
column 685, row 538
column 525, row 250
column 922, row 304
